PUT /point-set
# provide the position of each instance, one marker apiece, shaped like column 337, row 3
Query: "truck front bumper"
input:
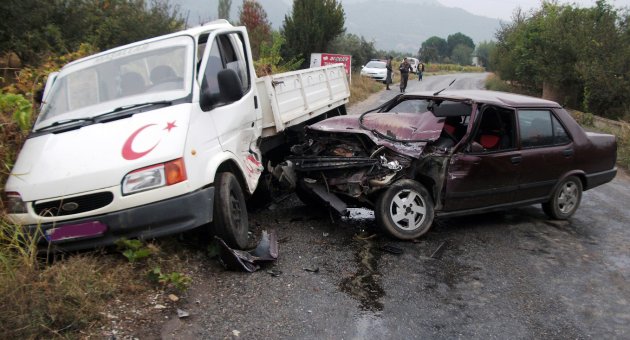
column 162, row 218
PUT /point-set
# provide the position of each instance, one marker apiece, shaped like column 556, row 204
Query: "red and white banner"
column 323, row 59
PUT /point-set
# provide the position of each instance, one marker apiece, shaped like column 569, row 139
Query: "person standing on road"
column 404, row 69
column 388, row 66
column 420, row 71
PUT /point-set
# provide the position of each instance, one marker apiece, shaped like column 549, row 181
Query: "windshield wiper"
column 124, row 110
column 66, row 122
column 117, row 113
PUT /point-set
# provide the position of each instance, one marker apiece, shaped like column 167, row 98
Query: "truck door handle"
column 567, row 152
column 516, row 159
column 255, row 102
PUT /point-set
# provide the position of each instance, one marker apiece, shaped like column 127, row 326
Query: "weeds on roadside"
column 141, row 254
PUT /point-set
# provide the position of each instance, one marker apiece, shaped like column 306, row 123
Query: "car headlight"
column 155, row 176
column 13, row 203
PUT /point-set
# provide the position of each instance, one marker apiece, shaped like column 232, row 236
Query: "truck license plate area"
column 76, row 231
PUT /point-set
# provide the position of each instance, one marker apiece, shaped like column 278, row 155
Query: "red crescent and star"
column 127, row 151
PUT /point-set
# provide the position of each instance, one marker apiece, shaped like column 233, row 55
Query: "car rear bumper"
column 162, row 218
column 599, row 178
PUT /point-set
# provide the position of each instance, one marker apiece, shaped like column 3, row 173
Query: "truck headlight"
column 13, row 203
column 154, row 176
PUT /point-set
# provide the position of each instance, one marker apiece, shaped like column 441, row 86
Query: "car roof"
column 489, row 97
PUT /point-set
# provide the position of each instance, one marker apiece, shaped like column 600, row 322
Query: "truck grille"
column 74, row 205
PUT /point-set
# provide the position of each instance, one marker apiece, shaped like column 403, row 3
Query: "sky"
column 503, row 9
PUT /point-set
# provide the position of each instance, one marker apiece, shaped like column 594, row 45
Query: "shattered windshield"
column 142, row 73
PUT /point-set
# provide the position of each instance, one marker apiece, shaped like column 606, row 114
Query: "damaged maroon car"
column 460, row 152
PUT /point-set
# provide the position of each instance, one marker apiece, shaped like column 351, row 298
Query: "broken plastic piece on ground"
column 392, row 249
column 437, row 254
column 312, row 270
column 182, row 313
column 266, row 251
column 274, row 272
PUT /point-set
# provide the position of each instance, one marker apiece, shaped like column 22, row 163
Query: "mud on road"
column 513, row 274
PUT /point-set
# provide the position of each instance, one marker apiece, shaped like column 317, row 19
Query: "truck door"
column 235, row 121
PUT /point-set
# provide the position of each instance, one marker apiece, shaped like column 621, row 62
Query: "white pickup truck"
column 161, row 136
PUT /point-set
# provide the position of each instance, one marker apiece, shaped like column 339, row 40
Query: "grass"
column 363, row 87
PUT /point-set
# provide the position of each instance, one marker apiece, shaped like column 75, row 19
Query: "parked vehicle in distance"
column 162, row 136
column 375, row 69
column 424, row 154
column 414, row 62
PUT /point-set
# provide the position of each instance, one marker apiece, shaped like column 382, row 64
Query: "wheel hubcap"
column 408, row 210
column 568, row 197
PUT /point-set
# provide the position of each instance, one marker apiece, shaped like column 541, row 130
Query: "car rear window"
column 375, row 64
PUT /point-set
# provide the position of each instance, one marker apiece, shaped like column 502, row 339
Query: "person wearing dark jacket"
column 404, row 69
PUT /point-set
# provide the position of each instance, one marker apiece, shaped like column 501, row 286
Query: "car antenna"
column 449, row 85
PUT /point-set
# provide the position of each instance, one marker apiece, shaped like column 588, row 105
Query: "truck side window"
column 210, row 81
column 234, row 56
column 226, row 52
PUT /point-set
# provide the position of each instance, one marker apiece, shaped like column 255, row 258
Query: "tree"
column 360, row 49
column 253, row 16
column 458, row 39
column 433, row 49
column 224, row 9
column 34, row 29
column 484, row 51
column 462, row 54
column 311, row 26
column 576, row 56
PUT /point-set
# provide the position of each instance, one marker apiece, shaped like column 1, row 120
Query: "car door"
column 485, row 173
column 546, row 149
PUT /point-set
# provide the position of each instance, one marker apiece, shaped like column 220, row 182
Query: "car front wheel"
column 405, row 210
column 565, row 200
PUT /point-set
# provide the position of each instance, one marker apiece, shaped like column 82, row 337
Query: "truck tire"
column 565, row 199
column 405, row 210
column 230, row 212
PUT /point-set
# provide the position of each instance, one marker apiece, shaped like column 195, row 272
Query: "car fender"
column 577, row 173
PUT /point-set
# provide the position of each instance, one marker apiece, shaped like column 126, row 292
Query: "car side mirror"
column 230, row 90
column 475, row 147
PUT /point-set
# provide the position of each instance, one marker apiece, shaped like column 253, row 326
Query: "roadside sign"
column 323, row 59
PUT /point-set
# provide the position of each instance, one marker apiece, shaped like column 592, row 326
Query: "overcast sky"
column 502, row 9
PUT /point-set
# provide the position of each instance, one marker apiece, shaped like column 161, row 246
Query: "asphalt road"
column 513, row 274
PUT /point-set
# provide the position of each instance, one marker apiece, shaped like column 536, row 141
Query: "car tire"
column 405, row 210
column 565, row 199
column 230, row 212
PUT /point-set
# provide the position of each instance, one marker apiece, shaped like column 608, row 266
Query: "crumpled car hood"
column 408, row 132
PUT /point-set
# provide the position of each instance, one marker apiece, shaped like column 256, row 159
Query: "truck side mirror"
column 230, row 90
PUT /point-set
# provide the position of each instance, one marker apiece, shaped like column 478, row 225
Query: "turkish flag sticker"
column 130, row 154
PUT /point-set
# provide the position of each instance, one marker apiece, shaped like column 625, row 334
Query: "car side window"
column 560, row 135
column 496, row 129
column 226, row 52
column 540, row 128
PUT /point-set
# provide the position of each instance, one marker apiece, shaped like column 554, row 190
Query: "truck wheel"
column 230, row 211
column 405, row 210
column 565, row 200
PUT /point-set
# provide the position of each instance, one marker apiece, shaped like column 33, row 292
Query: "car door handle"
column 516, row 159
column 567, row 152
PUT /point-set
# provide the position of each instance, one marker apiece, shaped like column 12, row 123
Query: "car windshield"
column 375, row 64
column 138, row 74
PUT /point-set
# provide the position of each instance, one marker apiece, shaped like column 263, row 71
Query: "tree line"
column 576, row 56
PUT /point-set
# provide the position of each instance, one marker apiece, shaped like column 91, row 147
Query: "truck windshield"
column 142, row 73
